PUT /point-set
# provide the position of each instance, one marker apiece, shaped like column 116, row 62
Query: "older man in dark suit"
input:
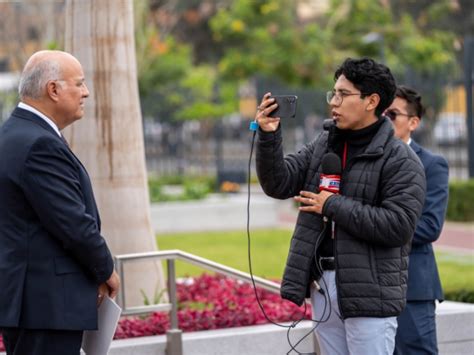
column 55, row 266
column 416, row 333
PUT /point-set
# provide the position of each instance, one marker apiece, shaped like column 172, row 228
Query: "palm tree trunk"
column 109, row 138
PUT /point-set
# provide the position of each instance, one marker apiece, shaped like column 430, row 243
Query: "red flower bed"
column 212, row 302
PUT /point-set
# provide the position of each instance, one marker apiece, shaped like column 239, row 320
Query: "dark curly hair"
column 413, row 99
column 370, row 78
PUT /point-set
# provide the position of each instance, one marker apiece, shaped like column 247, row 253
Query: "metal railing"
column 174, row 344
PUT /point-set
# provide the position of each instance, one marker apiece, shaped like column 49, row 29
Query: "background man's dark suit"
column 424, row 285
column 52, row 256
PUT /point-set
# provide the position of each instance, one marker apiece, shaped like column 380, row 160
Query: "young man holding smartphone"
column 362, row 267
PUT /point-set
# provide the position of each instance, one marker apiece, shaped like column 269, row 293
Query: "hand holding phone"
column 286, row 106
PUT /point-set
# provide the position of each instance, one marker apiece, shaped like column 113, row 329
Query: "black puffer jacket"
column 382, row 194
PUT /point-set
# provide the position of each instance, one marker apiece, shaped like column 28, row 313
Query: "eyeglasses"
column 392, row 114
column 338, row 96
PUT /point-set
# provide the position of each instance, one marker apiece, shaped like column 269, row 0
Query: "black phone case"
column 286, row 106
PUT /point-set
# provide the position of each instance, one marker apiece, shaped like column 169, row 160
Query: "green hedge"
column 462, row 295
column 194, row 188
column 461, row 201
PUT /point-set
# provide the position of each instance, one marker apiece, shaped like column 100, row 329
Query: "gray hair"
column 35, row 76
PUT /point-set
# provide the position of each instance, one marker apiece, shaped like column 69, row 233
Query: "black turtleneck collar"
column 361, row 136
column 356, row 138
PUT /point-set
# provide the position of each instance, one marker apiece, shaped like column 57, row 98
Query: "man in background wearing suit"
column 416, row 332
column 55, row 267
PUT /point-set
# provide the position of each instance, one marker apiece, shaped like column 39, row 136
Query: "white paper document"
column 97, row 342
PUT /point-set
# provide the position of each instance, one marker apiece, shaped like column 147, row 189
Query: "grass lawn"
column 456, row 271
column 269, row 249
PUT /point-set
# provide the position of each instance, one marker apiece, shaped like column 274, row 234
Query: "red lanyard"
column 344, row 156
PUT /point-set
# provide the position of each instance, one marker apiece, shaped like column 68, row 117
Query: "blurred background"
column 203, row 66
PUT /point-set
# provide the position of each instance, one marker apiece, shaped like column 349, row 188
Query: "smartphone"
column 286, row 106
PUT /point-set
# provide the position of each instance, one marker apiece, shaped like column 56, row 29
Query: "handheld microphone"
column 328, row 124
column 330, row 179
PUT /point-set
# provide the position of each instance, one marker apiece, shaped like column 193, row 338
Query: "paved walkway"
column 456, row 236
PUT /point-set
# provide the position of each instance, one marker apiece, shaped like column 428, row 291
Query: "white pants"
column 354, row 336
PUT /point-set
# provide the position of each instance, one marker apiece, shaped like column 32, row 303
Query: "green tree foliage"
column 453, row 16
column 373, row 28
column 188, row 22
column 172, row 87
column 264, row 37
column 267, row 38
column 418, row 55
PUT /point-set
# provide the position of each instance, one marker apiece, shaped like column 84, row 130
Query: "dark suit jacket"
column 52, row 256
column 423, row 278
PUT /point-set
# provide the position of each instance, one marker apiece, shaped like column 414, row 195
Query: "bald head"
column 53, row 83
column 42, row 67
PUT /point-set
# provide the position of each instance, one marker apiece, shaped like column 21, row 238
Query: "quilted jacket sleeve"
column 281, row 177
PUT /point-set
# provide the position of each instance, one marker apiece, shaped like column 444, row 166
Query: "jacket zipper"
column 336, row 267
column 348, row 165
column 344, row 164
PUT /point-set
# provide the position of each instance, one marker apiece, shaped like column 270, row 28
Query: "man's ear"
column 373, row 101
column 52, row 90
column 414, row 123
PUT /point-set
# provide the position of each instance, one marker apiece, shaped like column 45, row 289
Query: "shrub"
column 194, row 188
column 213, row 302
column 155, row 190
column 462, row 295
column 460, row 206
